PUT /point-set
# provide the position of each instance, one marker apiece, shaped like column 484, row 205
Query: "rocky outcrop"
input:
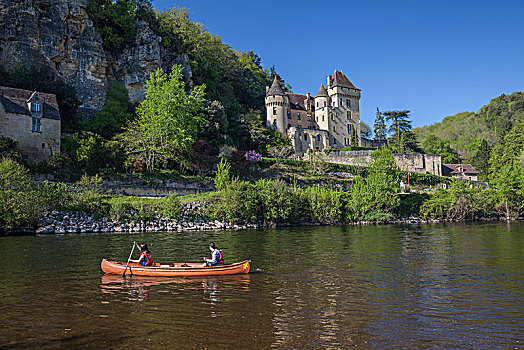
column 60, row 34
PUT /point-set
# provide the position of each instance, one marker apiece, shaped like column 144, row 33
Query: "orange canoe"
column 174, row 270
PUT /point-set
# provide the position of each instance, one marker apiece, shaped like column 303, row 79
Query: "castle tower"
column 277, row 105
column 322, row 107
column 345, row 116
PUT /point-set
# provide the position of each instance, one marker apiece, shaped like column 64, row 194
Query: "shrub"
column 170, row 207
column 222, row 175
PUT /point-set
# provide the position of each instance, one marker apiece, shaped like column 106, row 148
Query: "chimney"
column 267, row 89
column 328, row 81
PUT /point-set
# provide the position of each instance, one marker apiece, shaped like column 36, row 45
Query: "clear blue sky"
column 435, row 58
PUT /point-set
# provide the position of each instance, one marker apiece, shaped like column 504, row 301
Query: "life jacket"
column 220, row 257
column 149, row 259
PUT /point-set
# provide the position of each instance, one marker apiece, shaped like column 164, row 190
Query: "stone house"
column 326, row 120
column 32, row 119
column 460, row 171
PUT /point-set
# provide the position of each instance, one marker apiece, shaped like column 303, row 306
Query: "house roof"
column 451, row 169
column 296, row 101
column 275, row 88
column 15, row 101
column 339, row 79
column 322, row 91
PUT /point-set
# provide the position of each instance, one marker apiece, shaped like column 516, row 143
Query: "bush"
column 171, row 207
column 222, row 175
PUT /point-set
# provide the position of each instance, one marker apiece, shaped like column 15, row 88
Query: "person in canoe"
column 146, row 258
column 217, row 257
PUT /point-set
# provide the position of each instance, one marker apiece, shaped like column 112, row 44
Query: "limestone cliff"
column 59, row 33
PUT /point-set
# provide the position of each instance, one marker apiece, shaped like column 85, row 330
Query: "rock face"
column 60, row 33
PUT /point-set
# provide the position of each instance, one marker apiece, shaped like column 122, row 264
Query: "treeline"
column 487, row 139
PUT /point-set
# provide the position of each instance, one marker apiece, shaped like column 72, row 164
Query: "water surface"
column 429, row 286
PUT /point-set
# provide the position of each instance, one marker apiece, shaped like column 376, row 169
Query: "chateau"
column 330, row 119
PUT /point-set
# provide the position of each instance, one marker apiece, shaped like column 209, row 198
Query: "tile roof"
column 339, row 79
column 297, row 101
column 322, row 91
column 448, row 169
column 275, row 88
column 15, row 101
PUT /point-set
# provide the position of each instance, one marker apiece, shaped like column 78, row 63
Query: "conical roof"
column 322, row 91
column 275, row 88
column 339, row 79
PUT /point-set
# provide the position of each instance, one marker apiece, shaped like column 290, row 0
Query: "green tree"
column 365, row 130
column 354, row 137
column 510, row 151
column 115, row 113
column 167, row 121
column 435, row 145
column 481, row 158
column 379, row 128
column 509, row 182
column 400, row 123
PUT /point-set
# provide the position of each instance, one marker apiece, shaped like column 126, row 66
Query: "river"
column 412, row 286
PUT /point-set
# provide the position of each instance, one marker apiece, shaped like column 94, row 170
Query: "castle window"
column 274, row 123
column 289, row 126
column 322, row 118
column 334, row 141
column 288, row 114
column 348, row 103
column 334, row 128
column 318, row 137
column 36, row 107
column 43, row 145
column 298, row 116
column 349, row 128
column 37, row 125
column 325, row 103
column 317, row 104
column 349, row 114
column 305, row 137
column 341, row 104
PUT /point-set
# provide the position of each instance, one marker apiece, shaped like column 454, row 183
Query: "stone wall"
column 416, row 163
column 35, row 145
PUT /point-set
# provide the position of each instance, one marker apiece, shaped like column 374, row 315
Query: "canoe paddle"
column 130, row 255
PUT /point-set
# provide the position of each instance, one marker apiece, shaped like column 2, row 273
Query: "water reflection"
column 141, row 288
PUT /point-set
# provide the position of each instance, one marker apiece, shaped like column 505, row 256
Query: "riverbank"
column 57, row 222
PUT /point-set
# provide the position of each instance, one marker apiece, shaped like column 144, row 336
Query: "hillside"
column 466, row 130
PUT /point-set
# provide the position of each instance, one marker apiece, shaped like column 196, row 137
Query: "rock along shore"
column 57, row 222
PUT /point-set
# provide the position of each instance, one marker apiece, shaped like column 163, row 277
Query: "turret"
column 277, row 104
column 322, row 108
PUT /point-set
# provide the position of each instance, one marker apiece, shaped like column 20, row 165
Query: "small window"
column 317, row 104
column 275, row 123
column 349, row 114
column 341, row 104
column 36, row 107
column 288, row 114
column 43, row 145
column 274, row 110
column 348, row 103
column 298, row 116
column 289, row 126
column 349, row 128
column 322, row 118
column 334, row 141
column 37, row 125
column 334, row 128
column 305, row 137
column 318, row 137
column 325, row 103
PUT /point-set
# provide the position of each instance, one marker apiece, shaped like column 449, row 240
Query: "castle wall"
column 416, row 163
